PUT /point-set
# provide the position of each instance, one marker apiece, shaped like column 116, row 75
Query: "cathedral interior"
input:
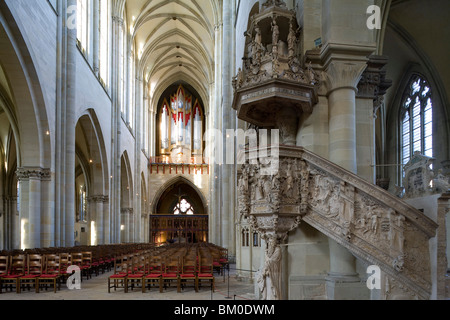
column 308, row 138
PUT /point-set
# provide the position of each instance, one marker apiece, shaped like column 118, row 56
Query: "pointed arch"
column 172, row 182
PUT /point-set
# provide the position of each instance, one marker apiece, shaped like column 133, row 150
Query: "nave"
column 99, row 264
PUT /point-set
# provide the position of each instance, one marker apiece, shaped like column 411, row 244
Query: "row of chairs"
column 37, row 270
column 47, row 267
column 183, row 265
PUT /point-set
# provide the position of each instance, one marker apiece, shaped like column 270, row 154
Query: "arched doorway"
column 179, row 215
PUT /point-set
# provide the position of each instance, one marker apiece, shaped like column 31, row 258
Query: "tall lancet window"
column 104, row 43
column 181, row 125
column 416, row 120
column 83, row 23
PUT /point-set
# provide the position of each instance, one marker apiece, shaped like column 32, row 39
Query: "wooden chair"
column 52, row 272
column 34, row 271
column 65, row 261
column 188, row 272
column 77, row 260
column 87, row 264
column 154, row 274
column 206, row 272
column 138, row 271
column 4, row 269
column 121, row 270
column 16, row 270
column 171, row 273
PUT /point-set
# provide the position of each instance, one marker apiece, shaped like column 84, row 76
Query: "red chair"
column 138, row 271
column 171, row 273
column 4, row 268
column 34, row 271
column 189, row 272
column 16, row 270
column 206, row 272
column 154, row 274
column 122, row 266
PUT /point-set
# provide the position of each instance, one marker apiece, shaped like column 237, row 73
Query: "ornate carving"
column 33, row 173
column 364, row 218
column 271, row 3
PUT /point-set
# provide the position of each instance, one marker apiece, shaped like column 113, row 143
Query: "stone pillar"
column 106, row 223
column 138, row 125
column 96, row 38
column 15, row 225
column 443, row 245
column 65, row 123
column 34, row 207
column 215, row 174
column 127, row 218
column 369, row 102
column 114, row 209
column 227, row 174
column 30, row 206
column 96, row 219
column 342, row 79
column 48, row 211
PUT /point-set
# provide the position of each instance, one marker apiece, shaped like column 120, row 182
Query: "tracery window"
column 416, row 117
column 255, row 239
column 181, row 124
column 184, row 207
column 245, row 237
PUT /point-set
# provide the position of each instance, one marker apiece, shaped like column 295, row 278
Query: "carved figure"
column 272, row 269
column 441, row 182
column 275, row 32
column 292, row 40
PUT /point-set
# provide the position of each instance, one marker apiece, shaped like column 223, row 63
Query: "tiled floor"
column 96, row 288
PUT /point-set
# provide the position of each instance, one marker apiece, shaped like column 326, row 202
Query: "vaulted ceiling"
column 174, row 41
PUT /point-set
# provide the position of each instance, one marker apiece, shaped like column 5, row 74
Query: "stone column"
column 227, row 174
column 216, row 173
column 96, row 216
column 15, row 225
column 139, row 106
column 34, row 207
column 114, row 210
column 369, row 102
column 342, row 80
column 443, row 245
column 96, row 38
column 106, row 223
column 30, row 206
column 65, row 123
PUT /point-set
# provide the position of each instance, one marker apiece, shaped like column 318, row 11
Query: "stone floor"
column 96, row 288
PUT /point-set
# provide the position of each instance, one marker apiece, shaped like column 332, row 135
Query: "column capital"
column 28, row 173
column 343, row 74
column 129, row 211
column 118, row 20
column 97, row 198
column 373, row 83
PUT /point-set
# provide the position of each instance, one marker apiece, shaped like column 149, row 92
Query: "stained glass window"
column 184, row 207
column 416, row 120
